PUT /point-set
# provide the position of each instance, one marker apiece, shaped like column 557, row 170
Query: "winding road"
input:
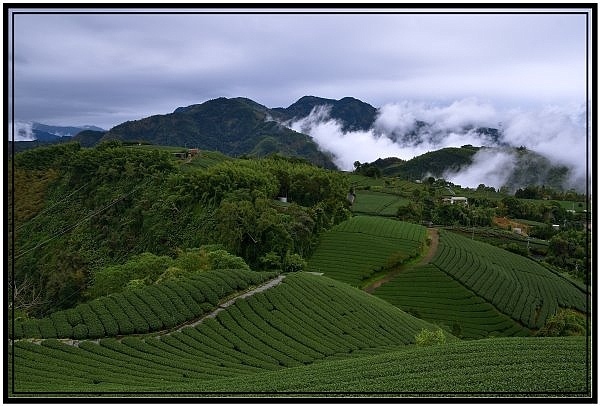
column 434, row 238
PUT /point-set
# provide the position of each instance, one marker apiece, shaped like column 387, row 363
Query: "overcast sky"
column 103, row 69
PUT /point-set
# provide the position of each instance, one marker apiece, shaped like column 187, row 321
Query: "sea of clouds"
column 559, row 133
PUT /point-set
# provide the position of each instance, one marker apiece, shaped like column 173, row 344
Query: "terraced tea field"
column 431, row 294
column 377, row 203
column 308, row 335
column 515, row 285
column 527, row 367
column 143, row 310
column 303, row 320
column 354, row 250
column 313, row 334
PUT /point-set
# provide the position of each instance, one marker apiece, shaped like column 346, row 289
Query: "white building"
column 458, row 199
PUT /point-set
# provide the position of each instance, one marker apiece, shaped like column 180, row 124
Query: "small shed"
column 459, row 200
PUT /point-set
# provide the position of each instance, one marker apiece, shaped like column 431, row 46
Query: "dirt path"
column 221, row 307
column 434, row 237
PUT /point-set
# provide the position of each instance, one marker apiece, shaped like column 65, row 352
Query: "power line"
column 48, row 208
column 64, row 231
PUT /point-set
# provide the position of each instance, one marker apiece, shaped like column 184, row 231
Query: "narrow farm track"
column 222, row 306
column 434, row 237
column 268, row 285
column 433, row 234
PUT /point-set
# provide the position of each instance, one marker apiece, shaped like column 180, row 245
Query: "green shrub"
column 221, row 259
column 114, row 278
column 31, row 329
column 135, row 284
column 270, row 261
column 294, row 263
column 428, row 337
column 565, row 322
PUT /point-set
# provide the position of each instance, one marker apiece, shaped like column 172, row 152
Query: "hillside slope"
column 524, row 167
column 306, row 318
column 517, row 286
column 234, row 127
column 430, row 294
column 356, row 249
column 493, row 367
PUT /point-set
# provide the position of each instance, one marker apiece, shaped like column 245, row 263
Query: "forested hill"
column 80, row 211
column 235, row 127
column 529, row 168
column 242, row 127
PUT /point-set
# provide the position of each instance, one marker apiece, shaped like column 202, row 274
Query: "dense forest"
column 83, row 214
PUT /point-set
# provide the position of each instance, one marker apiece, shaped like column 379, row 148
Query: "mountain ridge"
column 240, row 126
column 35, row 131
column 236, row 126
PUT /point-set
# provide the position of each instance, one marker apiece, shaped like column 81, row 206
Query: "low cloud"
column 557, row 133
column 404, row 117
column 408, row 129
column 23, row 131
column 348, row 147
column 490, row 167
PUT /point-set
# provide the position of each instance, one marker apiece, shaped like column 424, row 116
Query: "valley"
column 136, row 268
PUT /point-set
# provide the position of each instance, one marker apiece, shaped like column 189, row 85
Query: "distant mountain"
column 31, row 131
column 428, row 133
column 532, row 168
column 240, row 126
column 33, row 134
column 235, row 127
column 62, row 131
column 88, row 138
column 529, row 168
column 354, row 114
column 434, row 163
column 46, row 137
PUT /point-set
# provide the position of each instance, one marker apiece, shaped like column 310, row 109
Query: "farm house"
column 456, row 199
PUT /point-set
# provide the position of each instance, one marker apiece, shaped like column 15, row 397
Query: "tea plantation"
column 138, row 273
column 303, row 320
column 431, row 294
column 518, row 287
column 377, row 203
column 357, row 248
column 502, row 367
column 312, row 334
column 143, row 310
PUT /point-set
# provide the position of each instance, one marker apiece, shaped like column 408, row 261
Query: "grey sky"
column 105, row 69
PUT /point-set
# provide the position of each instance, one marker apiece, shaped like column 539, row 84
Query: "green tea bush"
column 145, row 309
column 80, row 331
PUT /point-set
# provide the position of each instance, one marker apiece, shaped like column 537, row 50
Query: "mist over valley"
column 515, row 148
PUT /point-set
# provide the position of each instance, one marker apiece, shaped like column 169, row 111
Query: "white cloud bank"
column 407, row 129
column 23, row 131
